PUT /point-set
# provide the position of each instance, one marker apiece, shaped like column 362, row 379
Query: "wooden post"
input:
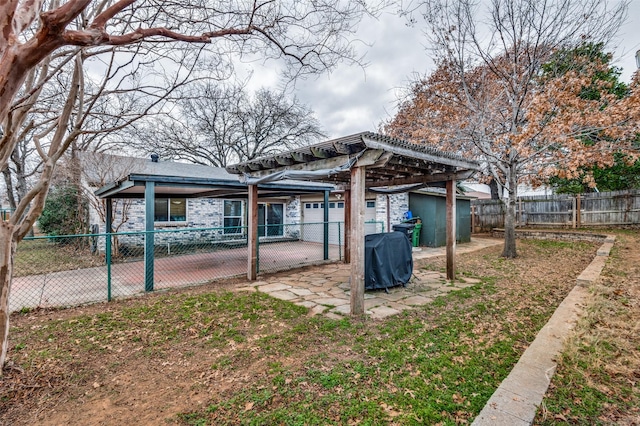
column 573, row 215
column 519, row 217
column 451, row 229
column 149, row 209
column 347, row 226
column 357, row 239
column 388, row 214
column 473, row 219
column 252, row 233
column 578, row 211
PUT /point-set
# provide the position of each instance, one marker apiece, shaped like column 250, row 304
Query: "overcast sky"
column 351, row 100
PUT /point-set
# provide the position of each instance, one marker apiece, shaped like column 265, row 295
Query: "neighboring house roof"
column 192, row 180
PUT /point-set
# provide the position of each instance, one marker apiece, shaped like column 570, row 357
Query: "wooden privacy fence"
column 620, row 208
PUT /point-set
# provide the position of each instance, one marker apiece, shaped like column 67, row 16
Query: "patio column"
column 347, row 226
column 107, row 245
column 252, row 233
column 357, row 239
column 451, row 229
column 149, row 237
column 325, row 228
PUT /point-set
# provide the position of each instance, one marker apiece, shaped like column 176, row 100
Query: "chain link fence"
column 57, row 271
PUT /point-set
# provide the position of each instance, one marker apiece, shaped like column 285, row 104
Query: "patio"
column 326, row 289
column 323, row 288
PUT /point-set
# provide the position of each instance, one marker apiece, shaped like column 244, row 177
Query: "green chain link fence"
column 57, row 271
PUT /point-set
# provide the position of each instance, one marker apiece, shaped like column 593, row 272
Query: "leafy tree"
column 309, row 37
column 619, row 177
column 624, row 173
column 486, row 99
column 61, row 213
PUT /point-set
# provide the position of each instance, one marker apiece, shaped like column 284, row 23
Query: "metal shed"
column 431, row 207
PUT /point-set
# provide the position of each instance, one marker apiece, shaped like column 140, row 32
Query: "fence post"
column 573, row 216
column 578, row 212
column 109, row 221
column 325, row 240
column 519, row 215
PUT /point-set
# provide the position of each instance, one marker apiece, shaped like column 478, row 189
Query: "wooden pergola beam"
column 368, row 158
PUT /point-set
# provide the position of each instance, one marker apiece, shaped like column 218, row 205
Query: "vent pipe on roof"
column 155, row 158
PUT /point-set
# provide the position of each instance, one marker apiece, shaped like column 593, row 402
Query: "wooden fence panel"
column 595, row 209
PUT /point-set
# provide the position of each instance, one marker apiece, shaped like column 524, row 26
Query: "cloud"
column 352, row 99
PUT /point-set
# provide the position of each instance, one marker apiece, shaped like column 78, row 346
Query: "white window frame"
column 170, row 222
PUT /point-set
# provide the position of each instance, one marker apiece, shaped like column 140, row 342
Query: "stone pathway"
column 325, row 289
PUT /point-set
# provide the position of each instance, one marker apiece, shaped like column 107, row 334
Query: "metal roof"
column 390, row 161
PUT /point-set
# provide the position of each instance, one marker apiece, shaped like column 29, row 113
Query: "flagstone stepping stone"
column 273, row 287
column 283, row 295
column 381, row 312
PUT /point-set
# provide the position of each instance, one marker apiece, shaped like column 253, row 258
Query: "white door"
column 313, row 218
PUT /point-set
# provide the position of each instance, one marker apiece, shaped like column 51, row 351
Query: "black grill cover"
column 387, row 260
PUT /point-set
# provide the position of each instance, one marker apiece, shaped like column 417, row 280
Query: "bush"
column 63, row 212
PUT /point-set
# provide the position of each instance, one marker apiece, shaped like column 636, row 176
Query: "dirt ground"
column 117, row 387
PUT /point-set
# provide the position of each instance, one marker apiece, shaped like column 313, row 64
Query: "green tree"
column 619, row 177
column 63, row 213
column 624, row 173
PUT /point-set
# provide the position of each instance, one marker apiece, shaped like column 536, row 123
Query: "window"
column 232, row 217
column 371, row 204
column 170, row 210
column 332, row 205
column 341, row 204
column 315, row 205
column 307, row 206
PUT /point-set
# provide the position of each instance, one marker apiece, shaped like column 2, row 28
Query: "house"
column 354, row 163
column 279, row 213
column 192, row 196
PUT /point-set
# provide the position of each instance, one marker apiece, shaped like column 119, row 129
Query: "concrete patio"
column 326, row 290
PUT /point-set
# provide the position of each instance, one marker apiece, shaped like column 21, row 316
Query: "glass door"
column 270, row 219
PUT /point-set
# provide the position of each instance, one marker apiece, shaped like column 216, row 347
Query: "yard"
column 213, row 355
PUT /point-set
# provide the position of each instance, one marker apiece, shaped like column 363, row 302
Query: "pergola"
column 355, row 163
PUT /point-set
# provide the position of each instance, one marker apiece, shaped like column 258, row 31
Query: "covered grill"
column 388, row 260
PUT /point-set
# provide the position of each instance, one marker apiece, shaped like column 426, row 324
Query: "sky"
column 352, row 100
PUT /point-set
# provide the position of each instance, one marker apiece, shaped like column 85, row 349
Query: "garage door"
column 313, row 217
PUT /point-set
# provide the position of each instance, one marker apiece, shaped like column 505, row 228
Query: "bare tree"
column 485, row 100
column 308, row 37
column 269, row 124
column 218, row 124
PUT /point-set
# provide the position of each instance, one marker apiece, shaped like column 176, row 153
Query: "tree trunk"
column 7, row 251
column 9, row 186
column 495, row 191
column 509, row 250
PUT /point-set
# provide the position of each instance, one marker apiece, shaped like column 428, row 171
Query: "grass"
column 434, row 365
column 598, row 376
column 42, row 256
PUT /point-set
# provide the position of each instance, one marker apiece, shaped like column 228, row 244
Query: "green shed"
column 431, row 207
